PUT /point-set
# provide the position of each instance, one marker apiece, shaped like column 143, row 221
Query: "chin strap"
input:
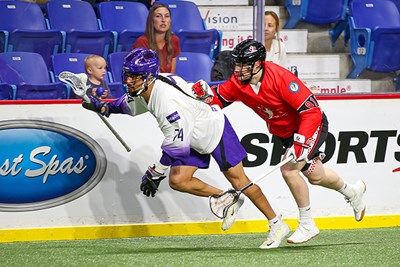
column 143, row 89
column 152, row 81
column 251, row 76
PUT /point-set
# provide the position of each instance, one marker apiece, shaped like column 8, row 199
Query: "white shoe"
column 277, row 232
column 356, row 201
column 231, row 214
column 303, row 233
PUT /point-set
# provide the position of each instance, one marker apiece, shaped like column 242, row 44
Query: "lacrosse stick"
column 219, row 204
column 78, row 85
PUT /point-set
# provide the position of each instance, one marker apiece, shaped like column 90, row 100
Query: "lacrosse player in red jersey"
column 292, row 113
column 193, row 131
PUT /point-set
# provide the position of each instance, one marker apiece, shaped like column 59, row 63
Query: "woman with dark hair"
column 159, row 37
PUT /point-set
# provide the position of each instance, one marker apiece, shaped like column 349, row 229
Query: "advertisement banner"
column 339, row 86
column 238, row 18
column 295, row 40
column 61, row 166
column 236, row 24
column 315, row 66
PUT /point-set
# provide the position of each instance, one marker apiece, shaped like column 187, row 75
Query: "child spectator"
column 95, row 67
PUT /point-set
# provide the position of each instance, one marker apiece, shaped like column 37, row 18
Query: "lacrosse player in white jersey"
column 193, row 131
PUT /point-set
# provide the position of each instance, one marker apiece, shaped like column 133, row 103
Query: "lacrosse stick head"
column 77, row 82
column 220, row 203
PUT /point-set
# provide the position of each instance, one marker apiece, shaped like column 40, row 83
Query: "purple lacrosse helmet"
column 141, row 61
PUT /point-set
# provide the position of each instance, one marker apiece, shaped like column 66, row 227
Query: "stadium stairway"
column 319, row 43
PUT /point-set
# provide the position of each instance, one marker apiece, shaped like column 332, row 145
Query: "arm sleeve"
column 127, row 105
column 310, row 121
column 298, row 96
column 224, row 94
column 120, row 106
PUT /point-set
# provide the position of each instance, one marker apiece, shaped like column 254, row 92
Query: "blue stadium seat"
column 194, row 66
column 3, row 40
column 24, row 29
column 374, row 36
column 74, row 62
column 78, row 20
column 193, row 35
column 310, row 11
column 115, row 61
column 202, row 41
column 127, row 19
column 29, row 76
column 181, row 11
column 7, row 92
column 315, row 11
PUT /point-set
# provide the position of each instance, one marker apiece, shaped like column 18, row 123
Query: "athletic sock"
column 305, row 214
column 346, row 190
column 275, row 220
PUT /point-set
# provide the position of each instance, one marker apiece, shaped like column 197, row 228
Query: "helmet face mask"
column 243, row 72
column 135, row 84
column 140, row 69
column 244, row 57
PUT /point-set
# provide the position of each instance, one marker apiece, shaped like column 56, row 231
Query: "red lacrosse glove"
column 300, row 148
column 202, row 91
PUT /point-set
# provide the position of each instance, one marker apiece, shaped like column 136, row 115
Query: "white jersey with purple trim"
column 185, row 122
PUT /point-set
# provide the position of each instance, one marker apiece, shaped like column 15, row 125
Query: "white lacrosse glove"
column 202, row 91
column 300, row 148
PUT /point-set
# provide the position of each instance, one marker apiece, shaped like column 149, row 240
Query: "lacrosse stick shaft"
column 280, row 164
column 86, row 98
column 77, row 82
column 220, row 204
column 114, row 132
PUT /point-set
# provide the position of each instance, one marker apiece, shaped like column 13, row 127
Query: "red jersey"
column 166, row 66
column 281, row 99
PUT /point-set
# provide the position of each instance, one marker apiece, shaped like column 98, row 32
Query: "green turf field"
column 360, row 247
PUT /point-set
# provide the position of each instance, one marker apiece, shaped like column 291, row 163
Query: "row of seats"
column 188, row 24
column 70, row 26
column 25, row 75
column 74, row 27
column 193, row 34
column 372, row 26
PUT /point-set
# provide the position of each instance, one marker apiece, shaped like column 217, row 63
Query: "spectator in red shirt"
column 159, row 37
